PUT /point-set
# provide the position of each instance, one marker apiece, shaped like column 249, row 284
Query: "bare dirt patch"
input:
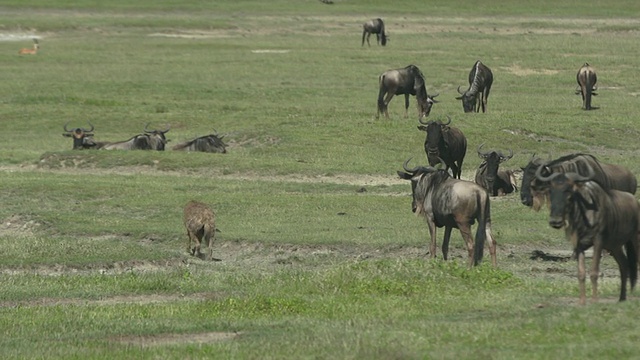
column 176, row 339
column 517, row 70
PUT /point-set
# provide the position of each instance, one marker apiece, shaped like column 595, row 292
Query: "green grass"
column 93, row 261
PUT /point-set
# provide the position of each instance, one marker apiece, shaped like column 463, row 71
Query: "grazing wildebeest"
column 480, row 80
column 587, row 79
column 200, row 222
column 150, row 140
column 406, row 81
column 209, row 143
column 593, row 216
column 82, row 138
column 374, row 26
column 489, row 175
column 534, row 192
column 451, row 203
column 444, row 143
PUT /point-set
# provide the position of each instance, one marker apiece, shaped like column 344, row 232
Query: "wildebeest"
column 451, row 203
column 533, row 192
column 444, row 143
column 82, row 138
column 209, row 143
column 489, row 175
column 595, row 217
column 374, row 26
column 406, row 81
column 150, row 140
column 480, row 80
column 587, row 79
column 200, row 222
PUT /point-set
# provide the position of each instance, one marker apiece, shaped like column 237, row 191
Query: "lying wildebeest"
column 374, row 26
column 533, row 192
column 82, row 138
column 209, row 143
column 587, row 79
column 200, row 222
column 452, row 203
column 406, row 81
column 444, row 143
column 150, row 140
column 489, row 175
column 480, row 80
column 593, row 216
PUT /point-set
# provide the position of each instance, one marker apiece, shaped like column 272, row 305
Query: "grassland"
column 321, row 255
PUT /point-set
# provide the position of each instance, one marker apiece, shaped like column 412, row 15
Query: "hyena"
column 200, row 222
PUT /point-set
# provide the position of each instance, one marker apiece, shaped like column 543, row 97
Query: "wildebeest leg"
column 378, row 38
column 190, row 238
column 387, row 100
column 465, row 230
column 582, row 276
column 432, row 233
column 406, row 105
column 595, row 269
column 364, row 33
column 623, row 265
column 208, row 239
column 485, row 99
column 368, row 36
column 445, row 242
column 492, row 244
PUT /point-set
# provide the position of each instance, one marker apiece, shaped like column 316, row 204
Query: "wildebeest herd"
column 150, row 139
column 593, row 201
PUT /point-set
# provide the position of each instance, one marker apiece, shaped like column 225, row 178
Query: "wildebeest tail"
column 381, row 106
column 632, row 262
column 484, row 207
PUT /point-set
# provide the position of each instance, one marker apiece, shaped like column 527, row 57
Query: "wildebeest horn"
column 423, row 123
column 90, row 130
column 578, row 177
column 404, row 166
column 480, row 153
column 145, row 128
column 461, row 93
column 545, row 178
column 505, row 158
column 448, row 122
column 65, row 127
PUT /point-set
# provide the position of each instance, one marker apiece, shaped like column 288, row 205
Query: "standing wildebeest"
column 593, row 216
column 444, row 144
column 533, row 192
column 497, row 181
column 82, row 138
column 209, row 143
column 200, row 222
column 587, row 79
column 150, row 140
column 406, row 81
column 480, row 80
column 374, row 26
column 452, row 203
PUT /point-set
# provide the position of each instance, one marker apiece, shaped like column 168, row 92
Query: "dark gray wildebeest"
column 200, row 222
column 82, row 138
column 480, row 80
column 444, row 143
column 211, row 143
column 593, row 216
column 451, row 203
column 374, row 26
column 534, row 192
column 149, row 140
column 406, row 81
column 587, row 79
column 489, row 175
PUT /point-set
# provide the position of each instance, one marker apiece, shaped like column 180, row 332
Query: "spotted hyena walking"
column 200, row 222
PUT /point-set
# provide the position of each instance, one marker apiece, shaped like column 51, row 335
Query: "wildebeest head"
column 415, row 175
column 211, row 143
column 157, row 139
column 81, row 137
column 532, row 191
column 469, row 99
column 563, row 190
column 425, row 102
column 493, row 159
column 435, row 130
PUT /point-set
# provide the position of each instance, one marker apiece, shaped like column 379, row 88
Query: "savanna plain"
column 319, row 253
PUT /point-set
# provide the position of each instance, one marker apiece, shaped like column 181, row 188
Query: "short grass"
column 321, row 255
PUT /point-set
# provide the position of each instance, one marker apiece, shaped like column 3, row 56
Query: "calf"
column 199, row 220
